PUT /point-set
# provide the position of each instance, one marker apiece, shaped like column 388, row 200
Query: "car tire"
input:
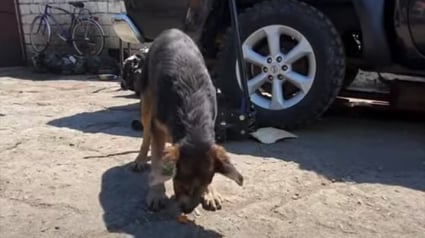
column 350, row 75
column 307, row 23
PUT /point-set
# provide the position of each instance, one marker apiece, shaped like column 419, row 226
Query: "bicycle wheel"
column 88, row 38
column 40, row 34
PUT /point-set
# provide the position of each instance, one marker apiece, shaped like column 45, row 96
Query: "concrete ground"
column 66, row 142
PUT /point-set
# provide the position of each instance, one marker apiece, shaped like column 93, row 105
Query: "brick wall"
column 103, row 9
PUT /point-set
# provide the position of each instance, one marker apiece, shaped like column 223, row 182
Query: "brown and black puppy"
column 178, row 105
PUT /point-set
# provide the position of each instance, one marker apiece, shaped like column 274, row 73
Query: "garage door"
column 10, row 42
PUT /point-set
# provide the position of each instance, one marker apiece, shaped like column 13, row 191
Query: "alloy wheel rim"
column 276, row 67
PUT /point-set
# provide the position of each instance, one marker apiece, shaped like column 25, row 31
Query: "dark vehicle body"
column 344, row 36
column 392, row 31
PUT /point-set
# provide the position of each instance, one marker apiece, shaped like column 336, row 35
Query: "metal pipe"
column 121, row 55
column 246, row 102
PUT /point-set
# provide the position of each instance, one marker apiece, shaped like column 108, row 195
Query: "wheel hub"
column 274, row 69
column 277, row 68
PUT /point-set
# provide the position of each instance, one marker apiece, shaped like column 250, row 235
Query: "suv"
column 299, row 53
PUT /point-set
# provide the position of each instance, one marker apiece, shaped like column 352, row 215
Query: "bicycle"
column 77, row 34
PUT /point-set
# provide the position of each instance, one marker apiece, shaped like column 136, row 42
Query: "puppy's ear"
column 223, row 165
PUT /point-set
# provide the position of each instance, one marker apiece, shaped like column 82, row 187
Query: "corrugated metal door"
column 10, row 41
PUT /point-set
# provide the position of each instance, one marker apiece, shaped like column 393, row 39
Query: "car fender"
column 376, row 49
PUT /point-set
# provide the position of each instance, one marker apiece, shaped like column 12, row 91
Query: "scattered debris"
column 296, row 196
column 107, row 77
column 68, row 64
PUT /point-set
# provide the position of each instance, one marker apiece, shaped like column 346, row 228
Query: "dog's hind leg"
column 146, row 119
column 156, row 197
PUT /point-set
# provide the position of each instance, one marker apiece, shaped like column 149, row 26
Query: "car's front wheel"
column 295, row 62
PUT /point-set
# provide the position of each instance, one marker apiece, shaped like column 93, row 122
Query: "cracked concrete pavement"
column 66, row 143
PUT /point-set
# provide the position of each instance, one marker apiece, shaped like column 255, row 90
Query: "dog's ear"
column 223, row 165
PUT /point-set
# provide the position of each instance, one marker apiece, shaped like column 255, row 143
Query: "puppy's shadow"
column 122, row 198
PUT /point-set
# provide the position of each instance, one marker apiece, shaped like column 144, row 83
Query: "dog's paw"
column 156, row 199
column 211, row 200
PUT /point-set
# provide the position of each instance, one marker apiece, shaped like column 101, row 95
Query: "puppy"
column 178, row 105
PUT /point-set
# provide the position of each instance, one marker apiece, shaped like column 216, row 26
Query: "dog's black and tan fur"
column 178, row 105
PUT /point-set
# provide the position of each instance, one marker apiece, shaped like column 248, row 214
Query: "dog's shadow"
column 122, row 198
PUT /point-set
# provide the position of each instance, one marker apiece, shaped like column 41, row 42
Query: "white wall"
column 103, row 9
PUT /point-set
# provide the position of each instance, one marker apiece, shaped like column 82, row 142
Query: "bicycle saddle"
column 76, row 4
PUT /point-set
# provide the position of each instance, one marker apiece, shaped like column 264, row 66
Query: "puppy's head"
column 194, row 171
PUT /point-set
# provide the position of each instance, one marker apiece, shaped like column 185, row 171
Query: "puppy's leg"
column 146, row 119
column 211, row 200
column 156, row 197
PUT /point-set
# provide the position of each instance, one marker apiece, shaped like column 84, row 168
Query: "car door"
column 154, row 16
column 417, row 23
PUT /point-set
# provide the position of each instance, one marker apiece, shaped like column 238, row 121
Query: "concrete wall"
column 103, row 9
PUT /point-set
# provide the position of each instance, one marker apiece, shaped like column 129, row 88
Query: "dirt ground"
column 66, row 144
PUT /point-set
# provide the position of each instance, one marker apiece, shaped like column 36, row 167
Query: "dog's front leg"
column 142, row 158
column 156, row 197
column 211, row 200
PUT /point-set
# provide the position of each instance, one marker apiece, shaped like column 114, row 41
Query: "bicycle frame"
column 64, row 33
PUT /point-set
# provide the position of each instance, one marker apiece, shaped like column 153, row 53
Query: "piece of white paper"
column 270, row 135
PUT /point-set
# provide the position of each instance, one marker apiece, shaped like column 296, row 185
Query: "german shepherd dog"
column 178, row 105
